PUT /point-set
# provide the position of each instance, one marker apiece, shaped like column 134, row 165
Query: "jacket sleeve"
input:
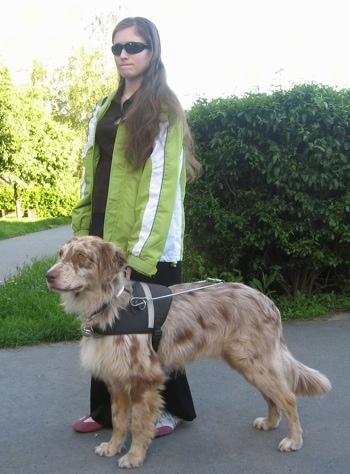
column 81, row 214
column 160, row 196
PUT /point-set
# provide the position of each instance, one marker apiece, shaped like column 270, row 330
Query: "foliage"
column 88, row 76
column 37, row 153
column 9, row 106
column 42, row 129
column 51, row 202
column 44, row 201
column 274, row 196
column 303, row 307
column 43, row 125
column 78, row 86
column 6, row 197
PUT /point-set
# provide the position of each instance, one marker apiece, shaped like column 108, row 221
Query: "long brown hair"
column 153, row 97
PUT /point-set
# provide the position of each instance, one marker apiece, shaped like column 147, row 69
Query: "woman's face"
column 131, row 66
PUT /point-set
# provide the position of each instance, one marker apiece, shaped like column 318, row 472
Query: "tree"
column 43, row 124
column 9, row 107
column 88, row 76
column 35, row 150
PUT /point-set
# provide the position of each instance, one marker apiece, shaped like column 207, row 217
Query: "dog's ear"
column 112, row 261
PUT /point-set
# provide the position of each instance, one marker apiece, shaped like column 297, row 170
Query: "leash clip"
column 138, row 302
column 89, row 332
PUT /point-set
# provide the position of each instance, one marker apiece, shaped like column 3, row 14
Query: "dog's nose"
column 51, row 276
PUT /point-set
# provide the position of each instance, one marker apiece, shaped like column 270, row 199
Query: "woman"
column 137, row 159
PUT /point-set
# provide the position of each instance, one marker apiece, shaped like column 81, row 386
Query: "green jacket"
column 145, row 208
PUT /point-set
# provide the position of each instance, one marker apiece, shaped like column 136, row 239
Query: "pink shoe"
column 86, row 425
column 166, row 424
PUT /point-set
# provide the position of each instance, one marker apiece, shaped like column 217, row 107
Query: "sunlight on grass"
column 15, row 227
column 31, row 313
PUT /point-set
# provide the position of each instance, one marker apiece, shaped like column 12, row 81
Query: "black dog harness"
column 145, row 314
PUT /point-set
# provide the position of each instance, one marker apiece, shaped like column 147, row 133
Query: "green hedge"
column 46, row 202
column 6, row 198
column 272, row 207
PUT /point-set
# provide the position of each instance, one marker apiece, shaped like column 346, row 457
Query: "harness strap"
column 160, row 310
column 146, row 318
column 148, row 296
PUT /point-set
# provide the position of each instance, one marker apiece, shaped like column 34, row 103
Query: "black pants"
column 177, row 395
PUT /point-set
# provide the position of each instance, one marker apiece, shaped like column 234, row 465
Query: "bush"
column 47, row 202
column 273, row 202
column 6, row 198
column 52, row 202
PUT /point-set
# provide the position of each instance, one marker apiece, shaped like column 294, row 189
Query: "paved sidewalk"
column 43, row 389
column 22, row 250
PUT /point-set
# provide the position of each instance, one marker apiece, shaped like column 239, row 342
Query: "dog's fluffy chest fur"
column 112, row 358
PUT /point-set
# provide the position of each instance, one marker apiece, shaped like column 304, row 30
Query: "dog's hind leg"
column 146, row 405
column 276, row 392
column 273, row 418
column 120, row 416
column 271, row 383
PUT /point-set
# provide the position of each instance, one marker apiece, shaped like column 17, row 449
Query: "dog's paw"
column 289, row 444
column 262, row 423
column 130, row 460
column 107, row 449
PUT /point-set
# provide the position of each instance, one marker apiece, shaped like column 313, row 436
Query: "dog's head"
column 85, row 263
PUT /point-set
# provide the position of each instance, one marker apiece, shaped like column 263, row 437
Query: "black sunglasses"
column 131, row 48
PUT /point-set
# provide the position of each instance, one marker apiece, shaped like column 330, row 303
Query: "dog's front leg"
column 120, row 416
column 145, row 408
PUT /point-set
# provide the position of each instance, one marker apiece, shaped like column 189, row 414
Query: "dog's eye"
column 80, row 256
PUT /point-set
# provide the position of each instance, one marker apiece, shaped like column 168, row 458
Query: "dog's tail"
column 304, row 381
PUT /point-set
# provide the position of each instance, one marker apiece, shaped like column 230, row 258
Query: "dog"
column 231, row 321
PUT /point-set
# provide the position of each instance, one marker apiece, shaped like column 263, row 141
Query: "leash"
column 141, row 301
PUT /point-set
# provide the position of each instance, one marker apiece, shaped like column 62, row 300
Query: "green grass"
column 31, row 314
column 316, row 306
column 15, row 227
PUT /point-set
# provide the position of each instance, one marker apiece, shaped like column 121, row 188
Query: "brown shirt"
column 106, row 131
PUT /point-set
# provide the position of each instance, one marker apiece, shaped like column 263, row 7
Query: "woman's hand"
column 127, row 273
